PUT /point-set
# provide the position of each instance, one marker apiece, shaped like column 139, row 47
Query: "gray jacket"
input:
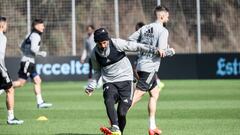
column 31, row 48
column 89, row 44
column 155, row 35
column 121, row 70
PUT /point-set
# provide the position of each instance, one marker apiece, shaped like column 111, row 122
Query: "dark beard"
column 165, row 25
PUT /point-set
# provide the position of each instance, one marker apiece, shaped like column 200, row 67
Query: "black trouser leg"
column 111, row 111
column 110, row 95
column 122, row 112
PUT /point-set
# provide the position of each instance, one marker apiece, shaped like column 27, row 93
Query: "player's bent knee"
column 108, row 101
column 122, row 111
column 22, row 84
column 138, row 94
column 154, row 93
column 37, row 80
column 154, row 97
column 10, row 90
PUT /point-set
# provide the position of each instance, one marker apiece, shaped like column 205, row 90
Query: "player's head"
column 90, row 29
column 161, row 13
column 139, row 25
column 3, row 24
column 38, row 25
column 101, row 38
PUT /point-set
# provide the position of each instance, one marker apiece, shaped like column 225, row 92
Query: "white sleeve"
column 35, row 39
column 163, row 39
column 84, row 53
column 3, row 43
column 123, row 45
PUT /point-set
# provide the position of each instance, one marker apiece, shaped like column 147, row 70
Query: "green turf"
column 186, row 107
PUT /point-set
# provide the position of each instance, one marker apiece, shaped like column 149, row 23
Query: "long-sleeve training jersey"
column 3, row 43
column 112, row 63
column 30, row 47
column 88, row 47
column 153, row 34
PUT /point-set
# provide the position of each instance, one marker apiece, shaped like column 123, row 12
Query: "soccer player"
column 5, row 80
column 109, row 61
column 30, row 49
column 89, row 44
column 160, row 84
column 154, row 34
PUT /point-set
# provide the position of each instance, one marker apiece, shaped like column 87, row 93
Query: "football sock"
column 152, row 124
column 39, row 99
column 10, row 115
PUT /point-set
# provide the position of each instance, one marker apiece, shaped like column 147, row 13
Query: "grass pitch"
column 185, row 107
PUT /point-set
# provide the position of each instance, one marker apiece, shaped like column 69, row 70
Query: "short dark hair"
column 36, row 21
column 139, row 25
column 159, row 9
column 3, row 19
column 91, row 26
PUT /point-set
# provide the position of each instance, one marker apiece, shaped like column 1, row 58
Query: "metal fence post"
column 158, row 2
column 73, row 29
column 198, row 28
column 116, row 18
column 28, row 16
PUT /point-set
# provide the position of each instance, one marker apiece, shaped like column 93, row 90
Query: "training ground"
column 185, row 107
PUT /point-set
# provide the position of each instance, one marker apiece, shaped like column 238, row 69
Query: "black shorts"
column 119, row 92
column 147, row 81
column 27, row 69
column 5, row 82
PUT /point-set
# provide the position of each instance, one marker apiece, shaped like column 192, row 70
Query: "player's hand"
column 43, row 53
column 82, row 61
column 135, row 74
column 173, row 50
column 89, row 91
column 161, row 53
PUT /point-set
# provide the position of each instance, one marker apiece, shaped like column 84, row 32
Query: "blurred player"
column 156, row 35
column 5, row 80
column 139, row 25
column 109, row 61
column 89, row 44
column 159, row 83
column 30, row 49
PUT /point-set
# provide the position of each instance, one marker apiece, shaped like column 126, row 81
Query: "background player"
column 89, row 44
column 159, row 83
column 154, row 34
column 30, row 49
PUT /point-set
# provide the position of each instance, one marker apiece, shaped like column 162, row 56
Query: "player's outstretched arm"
column 123, row 45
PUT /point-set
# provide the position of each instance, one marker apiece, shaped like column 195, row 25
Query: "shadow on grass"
column 75, row 134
